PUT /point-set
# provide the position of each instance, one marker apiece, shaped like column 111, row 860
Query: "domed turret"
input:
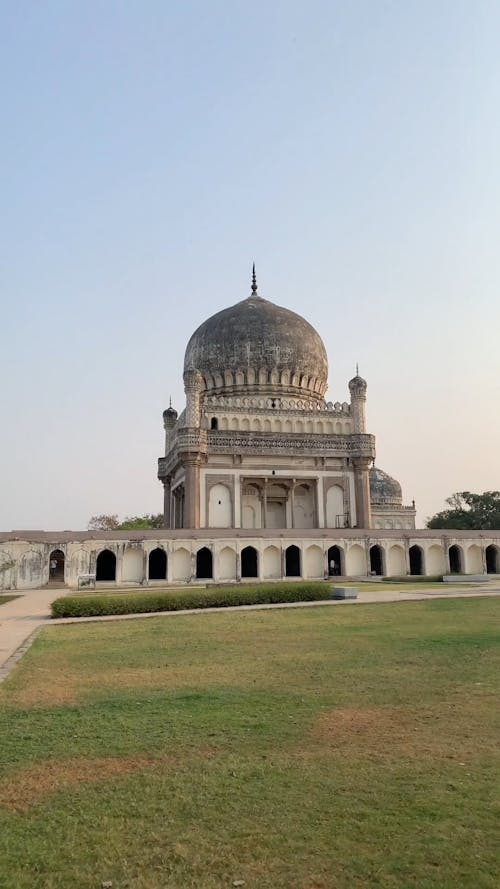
column 256, row 344
column 384, row 490
column 358, row 386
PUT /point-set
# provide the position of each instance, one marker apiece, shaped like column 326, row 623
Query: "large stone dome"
column 256, row 344
column 384, row 490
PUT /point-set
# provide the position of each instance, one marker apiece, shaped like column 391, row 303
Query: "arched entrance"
column 492, row 559
column 456, row 559
column 56, row 566
column 105, row 568
column 157, row 564
column 204, row 564
column 376, row 561
column 292, row 561
column 334, row 561
column 416, row 560
column 249, row 562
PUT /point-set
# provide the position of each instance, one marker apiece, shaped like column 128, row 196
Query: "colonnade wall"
column 250, row 423
column 184, row 557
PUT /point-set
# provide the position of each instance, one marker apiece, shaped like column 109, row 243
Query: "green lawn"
column 393, row 586
column 7, row 598
column 316, row 748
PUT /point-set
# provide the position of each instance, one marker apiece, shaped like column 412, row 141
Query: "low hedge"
column 215, row 597
column 415, row 578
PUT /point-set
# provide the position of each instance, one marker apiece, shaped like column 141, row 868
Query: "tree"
column 469, row 512
column 130, row 523
column 103, row 523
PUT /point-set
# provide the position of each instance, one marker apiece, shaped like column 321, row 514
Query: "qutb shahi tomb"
column 262, row 478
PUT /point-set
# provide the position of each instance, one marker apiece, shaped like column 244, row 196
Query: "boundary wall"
column 132, row 558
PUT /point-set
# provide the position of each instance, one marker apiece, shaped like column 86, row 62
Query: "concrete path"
column 21, row 618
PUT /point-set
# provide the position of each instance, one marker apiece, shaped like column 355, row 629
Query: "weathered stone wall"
column 24, row 561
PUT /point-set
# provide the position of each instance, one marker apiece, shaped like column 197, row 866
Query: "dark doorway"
column 105, row 568
column 334, row 561
column 214, row 423
column 249, row 562
column 416, row 560
column 292, row 561
column 157, row 564
column 56, row 566
column 492, row 559
column 204, row 570
column 376, row 560
column 455, row 556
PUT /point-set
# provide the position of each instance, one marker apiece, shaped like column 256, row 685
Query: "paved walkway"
column 21, row 618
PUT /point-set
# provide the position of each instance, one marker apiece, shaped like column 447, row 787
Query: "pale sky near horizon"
column 151, row 151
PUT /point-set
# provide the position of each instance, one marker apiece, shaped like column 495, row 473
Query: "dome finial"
column 357, row 369
column 254, row 280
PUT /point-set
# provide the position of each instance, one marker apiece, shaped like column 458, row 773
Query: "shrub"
column 415, row 578
column 216, row 597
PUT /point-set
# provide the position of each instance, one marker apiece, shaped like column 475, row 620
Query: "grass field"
column 319, row 748
column 7, row 598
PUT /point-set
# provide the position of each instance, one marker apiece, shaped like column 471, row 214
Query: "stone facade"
column 257, row 445
column 262, row 479
column 146, row 558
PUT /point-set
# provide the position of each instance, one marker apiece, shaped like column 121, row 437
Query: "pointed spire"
column 357, row 369
column 170, row 401
column 254, row 280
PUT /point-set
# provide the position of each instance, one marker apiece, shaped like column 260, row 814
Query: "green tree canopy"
column 130, row 523
column 469, row 512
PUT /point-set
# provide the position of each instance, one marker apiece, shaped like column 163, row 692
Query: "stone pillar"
column 320, row 502
column 193, row 387
column 167, row 493
column 264, row 504
column 192, row 492
column 292, row 502
column 362, row 491
column 236, row 502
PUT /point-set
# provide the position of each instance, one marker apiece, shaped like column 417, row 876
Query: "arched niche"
column 249, row 562
column 220, row 511
column 105, row 566
column 157, row 564
column 292, row 561
column 204, row 564
column 416, row 557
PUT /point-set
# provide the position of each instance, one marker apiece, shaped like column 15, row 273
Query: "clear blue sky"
column 151, row 151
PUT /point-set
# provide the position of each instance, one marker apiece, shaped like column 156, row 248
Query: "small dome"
column 384, row 490
column 170, row 412
column 357, row 385
column 169, row 416
column 256, row 342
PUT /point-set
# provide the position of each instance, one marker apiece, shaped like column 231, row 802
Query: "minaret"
column 191, row 457
column 361, row 464
column 169, row 421
column 357, row 388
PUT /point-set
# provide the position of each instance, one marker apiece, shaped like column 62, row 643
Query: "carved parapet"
column 162, row 468
column 192, row 441
column 277, row 442
column 363, row 445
